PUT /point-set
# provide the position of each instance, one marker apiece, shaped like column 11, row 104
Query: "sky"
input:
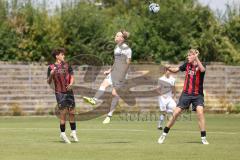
column 215, row 5
column 219, row 4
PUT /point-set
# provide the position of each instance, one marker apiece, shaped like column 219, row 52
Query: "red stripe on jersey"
column 61, row 78
column 197, row 82
column 186, row 78
column 190, row 87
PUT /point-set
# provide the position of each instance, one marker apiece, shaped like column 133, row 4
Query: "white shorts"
column 118, row 84
column 109, row 79
column 166, row 104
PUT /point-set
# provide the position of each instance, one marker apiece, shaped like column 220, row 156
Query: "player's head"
column 121, row 36
column 191, row 55
column 59, row 54
column 166, row 72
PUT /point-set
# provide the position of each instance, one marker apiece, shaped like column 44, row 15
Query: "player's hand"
column 106, row 72
column 53, row 71
column 167, row 66
column 175, row 99
column 195, row 56
column 69, row 87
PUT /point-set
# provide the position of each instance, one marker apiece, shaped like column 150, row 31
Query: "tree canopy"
column 30, row 33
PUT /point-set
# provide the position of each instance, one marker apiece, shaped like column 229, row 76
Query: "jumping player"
column 116, row 75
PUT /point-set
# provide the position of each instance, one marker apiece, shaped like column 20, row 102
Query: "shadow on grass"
column 118, row 142
column 194, row 142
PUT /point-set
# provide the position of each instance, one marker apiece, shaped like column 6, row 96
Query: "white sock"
column 161, row 120
column 74, row 131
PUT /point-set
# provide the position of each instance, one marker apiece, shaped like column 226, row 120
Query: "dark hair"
column 57, row 51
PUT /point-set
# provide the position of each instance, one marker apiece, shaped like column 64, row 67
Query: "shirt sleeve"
column 159, row 81
column 129, row 53
column 173, row 82
column 48, row 71
column 205, row 66
column 70, row 70
column 183, row 67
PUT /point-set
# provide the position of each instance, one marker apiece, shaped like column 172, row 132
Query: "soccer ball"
column 154, row 7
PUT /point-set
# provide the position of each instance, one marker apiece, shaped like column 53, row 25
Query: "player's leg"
column 72, row 122
column 63, row 112
column 171, row 122
column 201, row 123
column 184, row 102
column 161, row 120
column 175, row 115
column 106, row 82
column 162, row 105
column 198, row 106
column 171, row 106
column 114, row 103
column 93, row 100
column 201, row 118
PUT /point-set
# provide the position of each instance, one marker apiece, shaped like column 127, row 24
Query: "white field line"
column 123, row 130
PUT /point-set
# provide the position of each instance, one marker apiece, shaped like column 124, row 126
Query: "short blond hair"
column 195, row 51
column 125, row 34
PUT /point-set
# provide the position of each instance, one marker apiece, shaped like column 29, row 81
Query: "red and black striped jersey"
column 194, row 78
column 61, row 77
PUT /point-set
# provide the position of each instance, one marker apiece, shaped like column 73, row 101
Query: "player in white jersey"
column 166, row 100
column 116, row 75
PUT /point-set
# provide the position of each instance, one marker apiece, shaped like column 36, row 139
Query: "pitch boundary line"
column 124, row 130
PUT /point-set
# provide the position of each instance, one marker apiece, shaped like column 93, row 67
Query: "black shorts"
column 186, row 100
column 65, row 99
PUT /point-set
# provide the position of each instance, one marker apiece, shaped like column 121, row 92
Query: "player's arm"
column 159, row 89
column 174, row 91
column 129, row 57
column 200, row 65
column 71, row 80
column 181, row 68
column 128, row 61
column 49, row 80
column 69, row 87
column 107, row 71
column 70, row 70
column 172, row 69
column 159, row 86
column 50, row 75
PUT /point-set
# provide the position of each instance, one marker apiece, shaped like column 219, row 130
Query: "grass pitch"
column 37, row 138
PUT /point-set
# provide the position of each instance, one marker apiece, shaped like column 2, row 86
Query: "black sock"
column 203, row 133
column 166, row 130
column 62, row 127
column 73, row 125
